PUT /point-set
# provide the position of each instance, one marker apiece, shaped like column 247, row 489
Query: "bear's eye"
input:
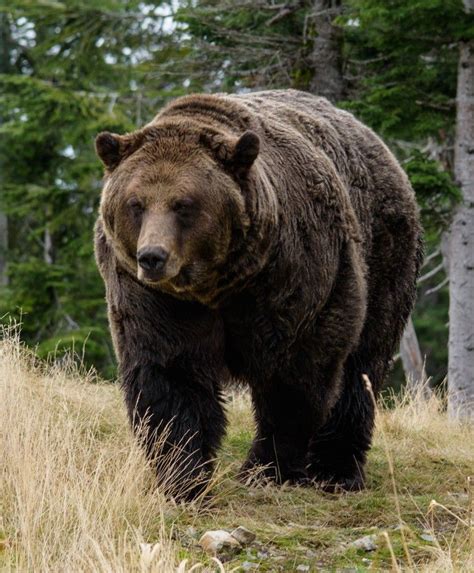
column 136, row 206
column 184, row 208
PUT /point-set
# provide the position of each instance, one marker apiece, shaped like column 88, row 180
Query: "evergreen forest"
column 72, row 68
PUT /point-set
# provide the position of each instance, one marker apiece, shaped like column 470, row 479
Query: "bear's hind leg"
column 338, row 451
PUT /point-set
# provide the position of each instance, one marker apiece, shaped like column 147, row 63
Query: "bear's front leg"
column 178, row 416
column 171, row 367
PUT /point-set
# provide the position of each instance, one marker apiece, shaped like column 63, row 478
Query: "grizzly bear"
column 268, row 238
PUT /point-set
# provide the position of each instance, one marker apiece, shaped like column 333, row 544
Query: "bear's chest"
column 260, row 334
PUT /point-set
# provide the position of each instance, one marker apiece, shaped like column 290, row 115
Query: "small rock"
column 248, row 565
column 401, row 527
column 243, row 535
column 428, row 537
column 303, row 568
column 367, row 543
column 219, row 541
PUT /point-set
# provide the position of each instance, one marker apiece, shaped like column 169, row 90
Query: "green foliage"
column 437, row 195
column 246, row 46
column 435, row 191
column 431, row 326
column 401, row 63
column 403, row 58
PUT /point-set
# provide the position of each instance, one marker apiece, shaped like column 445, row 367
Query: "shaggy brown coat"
column 293, row 270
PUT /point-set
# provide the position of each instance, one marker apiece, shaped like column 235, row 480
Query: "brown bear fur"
column 293, row 246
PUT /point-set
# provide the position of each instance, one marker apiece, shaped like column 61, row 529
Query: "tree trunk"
column 47, row 246
column 412, row 360
column 326, row 58
column 461, row 306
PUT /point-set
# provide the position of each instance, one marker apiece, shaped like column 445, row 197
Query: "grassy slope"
column 76, row 493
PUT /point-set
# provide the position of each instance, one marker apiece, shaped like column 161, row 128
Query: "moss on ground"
column 302, row 529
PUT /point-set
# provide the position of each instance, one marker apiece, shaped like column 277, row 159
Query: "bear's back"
column 359, row 155
column 376, row 184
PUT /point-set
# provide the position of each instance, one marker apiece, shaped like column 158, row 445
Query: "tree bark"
column 461, row 307
column 48, row 246
column 326, row 58
column 413, row 364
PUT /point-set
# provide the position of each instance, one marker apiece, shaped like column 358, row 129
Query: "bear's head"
column 173, row 201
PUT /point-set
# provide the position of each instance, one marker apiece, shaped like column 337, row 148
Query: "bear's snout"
column 152, row 261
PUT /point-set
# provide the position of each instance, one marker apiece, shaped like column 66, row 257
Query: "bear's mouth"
column 166, row 275
column 151, row 276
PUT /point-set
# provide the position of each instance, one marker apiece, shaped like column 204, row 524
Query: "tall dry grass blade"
column 388, row 455
column 395, row 565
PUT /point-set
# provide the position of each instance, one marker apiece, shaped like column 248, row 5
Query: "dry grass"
column 77, row 495
column 76, row 492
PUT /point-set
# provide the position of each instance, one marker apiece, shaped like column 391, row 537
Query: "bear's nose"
column 152, row 258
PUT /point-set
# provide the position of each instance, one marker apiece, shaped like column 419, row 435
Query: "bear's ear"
column 112, row 148
column 245, row 152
